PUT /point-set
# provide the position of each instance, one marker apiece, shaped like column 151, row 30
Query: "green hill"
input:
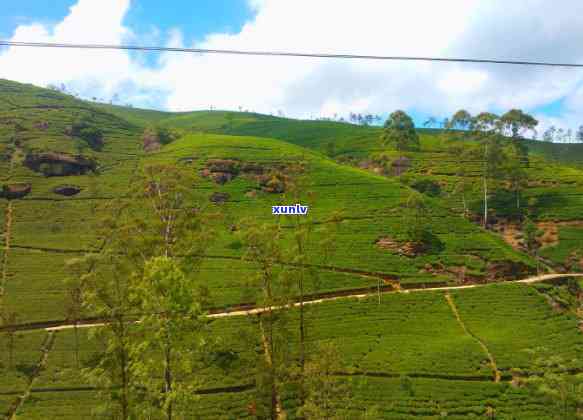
column 62, row 159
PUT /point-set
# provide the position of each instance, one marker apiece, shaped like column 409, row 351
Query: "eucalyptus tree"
column 399, row 130
column 146, row 271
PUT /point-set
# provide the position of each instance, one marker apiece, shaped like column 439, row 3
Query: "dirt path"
column 4, row 264
column 45, row 349
column 451, row 303
column 332, row 296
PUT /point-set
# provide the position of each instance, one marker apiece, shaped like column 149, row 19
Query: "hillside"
column 63, row 159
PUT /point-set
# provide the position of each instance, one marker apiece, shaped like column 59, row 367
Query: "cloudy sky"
column 519, row 29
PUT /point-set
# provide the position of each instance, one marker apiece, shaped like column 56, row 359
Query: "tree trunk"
column 486, row 187
column 124, row 373
column 76, row 329
column 168, row 375
column 518, row 199
column 485, row 203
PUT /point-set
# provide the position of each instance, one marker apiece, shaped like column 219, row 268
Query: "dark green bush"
column 428, row 187
column 86, row 130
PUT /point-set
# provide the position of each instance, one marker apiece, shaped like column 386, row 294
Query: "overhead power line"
column 288, row 54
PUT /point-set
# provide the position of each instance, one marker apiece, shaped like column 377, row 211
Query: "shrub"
column 86, row 130
column 428, row 187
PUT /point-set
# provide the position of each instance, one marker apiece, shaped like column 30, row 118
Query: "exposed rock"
column 399, row 166
column 407, row 249
column 273, row 184
column 187, row 160
column 511, row 234
column 67, row 190
column 220, row 171
column 507, row 270
column 269, row 177
column 386, row 242
column 222, row 177
column 219, row 197
column 13, row 191
column 550, row 234
column 42, row 125
column 151, row 142
column 365, row 164
column 59, row 164
column 252, row 169
column 251, row 194
column 223, row 165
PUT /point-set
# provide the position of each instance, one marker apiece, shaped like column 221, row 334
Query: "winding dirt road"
column 255, row 311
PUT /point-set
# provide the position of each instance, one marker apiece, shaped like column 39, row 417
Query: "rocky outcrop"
column 251, row 194
column 59, row 164
column 507, row 270
column 151, row 142
column 219, row 197
column 41, row 125
column 274, row 183
column 67, row 190
column 14, row 191
column 221, row 171
column 400, row 166
column 270, row 177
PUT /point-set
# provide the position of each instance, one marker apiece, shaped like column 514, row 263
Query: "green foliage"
column 163, row 135
column 555, row 382
column 518, row 122
column 322, row 388
column 419, row 226
column 150, row 243
column 399, row 130
column 531, row 235
column 87, row 130
column 428, row 187
column 170, row 342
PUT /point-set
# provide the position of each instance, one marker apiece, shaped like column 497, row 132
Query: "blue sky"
column 195, row 18
column 307, row 87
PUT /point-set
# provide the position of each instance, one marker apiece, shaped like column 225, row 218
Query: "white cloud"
column 533, row 29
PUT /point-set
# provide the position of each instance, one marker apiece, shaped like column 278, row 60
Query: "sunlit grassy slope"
column 413, row 334
column 47, row 229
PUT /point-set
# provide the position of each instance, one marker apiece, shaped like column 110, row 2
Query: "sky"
column 536, row 30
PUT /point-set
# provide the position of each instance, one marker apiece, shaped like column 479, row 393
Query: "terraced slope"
column 451, row 356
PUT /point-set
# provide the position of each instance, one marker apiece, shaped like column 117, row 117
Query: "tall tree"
column 161, row 219
column 74, row 303
column 531, row 238
column 579, row 134
column 399, row 130
column 312, row 246
column 515, row 174
column 549, row 134
column 487, row 128
column 430, row 122
column 461, row 120
column 464, row 184
column 486, row 125
column 327, row 396
column 262, row 244
column 517, row 123
column 172, row 339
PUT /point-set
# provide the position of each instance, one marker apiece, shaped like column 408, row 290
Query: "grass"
column 568, row 247
column 406, row 334
column 512, row 319
column 436, row 398
column 411, row 334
